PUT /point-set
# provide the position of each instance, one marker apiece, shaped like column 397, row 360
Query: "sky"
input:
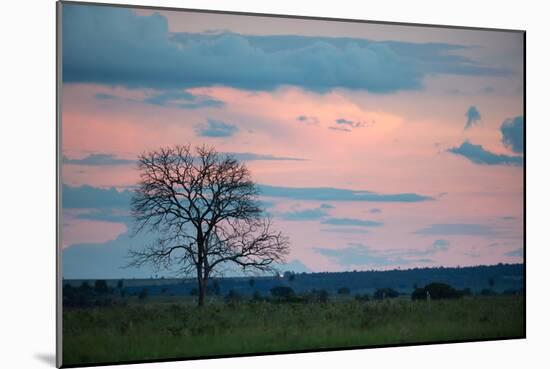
column 374, row 146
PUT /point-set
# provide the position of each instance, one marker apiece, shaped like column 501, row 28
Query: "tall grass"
column 155, row 330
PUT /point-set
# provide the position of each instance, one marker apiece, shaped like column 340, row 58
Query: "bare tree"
column 204, row 207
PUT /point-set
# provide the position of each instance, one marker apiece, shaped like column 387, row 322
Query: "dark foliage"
column 143, row 294
column 84, row 297
column 233, row 297
column 436, row 291
column 343, row 291
column 282, row 293
column 385, row 293
column 100, row 287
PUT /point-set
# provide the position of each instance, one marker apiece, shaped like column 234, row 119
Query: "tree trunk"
column 203, row 286
column 202, row 294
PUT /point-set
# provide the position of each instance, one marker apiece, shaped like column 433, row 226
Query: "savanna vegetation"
column 141, row 327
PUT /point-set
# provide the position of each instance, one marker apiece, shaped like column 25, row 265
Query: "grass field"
column 160, row 330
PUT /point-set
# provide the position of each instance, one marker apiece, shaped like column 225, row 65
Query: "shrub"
column 257, row 296
column 232, row 297
column 385, row 293
column 282, row 292
column 214, row 288
column 143, row 294
column 100, row 287
column 343, row 291
column 436, row 291
column 323, row 296
column 363, row 297
column 419, row 294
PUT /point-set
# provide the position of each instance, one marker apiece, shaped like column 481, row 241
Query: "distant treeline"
column 484, row 280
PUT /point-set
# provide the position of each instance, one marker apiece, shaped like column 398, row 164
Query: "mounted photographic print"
column 246, row 184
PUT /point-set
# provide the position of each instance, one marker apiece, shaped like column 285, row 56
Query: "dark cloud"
column 346, row 230
column 359, row 254
column 341, row 129
column 146, row 54
column 103, row 96
column 440, row 245
column 337, row 194
column 93, row 197
column 216, row 128
column 346, row 125
column 183, row 100
column 473, row 116
column 171, row 98
column 349, row 123
column 327, row 206
column 98, row 160
column 344, row 121
column 512, row 134
column 107, row 215
column 304, row 215
column 375, row 211
column 351, row 222
column 514, row 253
column 307, row 119
column 356, row 255
column 249, row 156
column 457, row 229
column 478, row 155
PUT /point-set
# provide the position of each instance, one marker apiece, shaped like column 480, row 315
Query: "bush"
column 232, row 297
column 437, row 291
column 363, row 297
column 385, row 293
column 100, row 287
column 323, row 296
column 214, row 288
column 419, row 294
column 343, row 291
column 143, row 294
column 257, row 296
column 282, row 292
column 84, row 296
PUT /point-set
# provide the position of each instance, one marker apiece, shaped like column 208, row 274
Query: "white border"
column 28, row 181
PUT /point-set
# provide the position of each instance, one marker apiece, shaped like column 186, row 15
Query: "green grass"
column 162, row 330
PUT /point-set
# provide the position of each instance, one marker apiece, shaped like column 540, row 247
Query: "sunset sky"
column 375, row 146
